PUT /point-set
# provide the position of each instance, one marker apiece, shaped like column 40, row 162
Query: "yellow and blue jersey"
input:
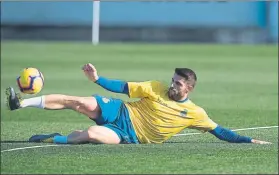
column 156, row 118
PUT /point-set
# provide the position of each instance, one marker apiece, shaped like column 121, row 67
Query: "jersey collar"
column 182, row 101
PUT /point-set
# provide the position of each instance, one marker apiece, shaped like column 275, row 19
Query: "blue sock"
column 60, row 139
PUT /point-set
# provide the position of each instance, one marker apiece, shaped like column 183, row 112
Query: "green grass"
column 237, row 86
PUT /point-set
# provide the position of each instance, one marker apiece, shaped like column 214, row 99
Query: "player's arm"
column 117, row 86
column 232, row 137
column 132, row 89
column 204, row 123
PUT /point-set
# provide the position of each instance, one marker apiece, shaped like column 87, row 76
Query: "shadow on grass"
column 14, row 141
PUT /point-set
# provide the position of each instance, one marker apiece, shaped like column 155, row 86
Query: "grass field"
column 237, row 86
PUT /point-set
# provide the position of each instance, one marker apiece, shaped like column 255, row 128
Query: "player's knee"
column 93, row 134
column 88, row 103
column 89, row 107
column 101, row 134
column 91, row 104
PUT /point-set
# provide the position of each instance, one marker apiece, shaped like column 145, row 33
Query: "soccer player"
column 160, row 112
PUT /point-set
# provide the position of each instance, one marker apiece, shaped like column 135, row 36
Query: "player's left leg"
column 85, row 105
column 94, row 134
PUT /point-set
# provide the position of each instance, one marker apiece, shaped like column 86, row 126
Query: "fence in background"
column 223, row 22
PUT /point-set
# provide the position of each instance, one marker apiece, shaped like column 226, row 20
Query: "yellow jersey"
column 156, row 118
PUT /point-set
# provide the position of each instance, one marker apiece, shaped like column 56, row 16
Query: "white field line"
column 30, row 147
column 242, row 129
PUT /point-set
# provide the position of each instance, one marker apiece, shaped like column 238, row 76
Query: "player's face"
column 178, row 89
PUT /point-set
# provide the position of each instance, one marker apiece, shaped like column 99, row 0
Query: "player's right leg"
column 94, row 134
column 85, row 105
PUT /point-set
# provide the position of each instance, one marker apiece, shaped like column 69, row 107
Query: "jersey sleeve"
column 202, row 122
column 143, row 89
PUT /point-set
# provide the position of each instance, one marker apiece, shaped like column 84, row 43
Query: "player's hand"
column 260, row 142
column 91, row 72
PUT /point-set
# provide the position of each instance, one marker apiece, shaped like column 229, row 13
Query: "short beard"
column 174, row 94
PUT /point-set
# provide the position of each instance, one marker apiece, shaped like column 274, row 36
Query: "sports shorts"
column 115, row 116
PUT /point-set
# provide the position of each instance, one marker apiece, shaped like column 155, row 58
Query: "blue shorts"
column 115, row 116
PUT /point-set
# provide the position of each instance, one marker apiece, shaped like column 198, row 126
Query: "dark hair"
column 188, row 74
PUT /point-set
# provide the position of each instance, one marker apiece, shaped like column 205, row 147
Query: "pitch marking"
column 31, row 147
column 243, row 129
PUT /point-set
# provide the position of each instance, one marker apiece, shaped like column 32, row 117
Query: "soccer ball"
column 30, row 81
